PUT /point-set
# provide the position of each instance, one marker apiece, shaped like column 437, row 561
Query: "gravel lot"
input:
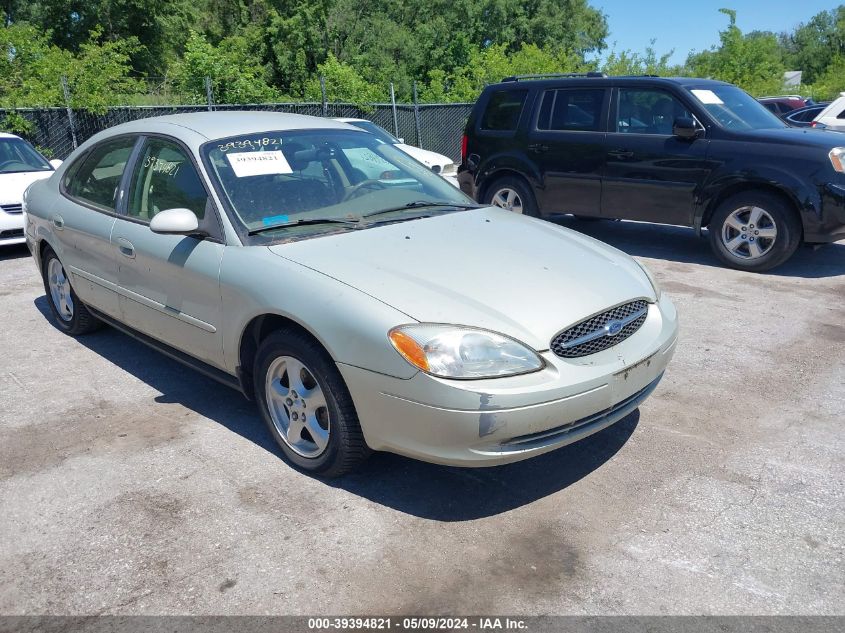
column 129, row 484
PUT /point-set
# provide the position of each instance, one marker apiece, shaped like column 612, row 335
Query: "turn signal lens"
column 837, row 159
column 410, row 349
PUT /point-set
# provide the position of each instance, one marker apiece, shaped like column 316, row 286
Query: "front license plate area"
column 634, row 377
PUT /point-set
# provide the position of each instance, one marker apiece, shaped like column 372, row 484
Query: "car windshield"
column 735, row 109
column 372, row 128
column 16, row 155
column 274, row 182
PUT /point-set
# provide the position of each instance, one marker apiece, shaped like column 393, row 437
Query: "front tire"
column 307, row 406
column 754, row 231
column 512, row 194
column 69, row 313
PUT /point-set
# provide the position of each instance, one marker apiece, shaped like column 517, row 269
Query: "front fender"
column 351, row 325
column 725, row 181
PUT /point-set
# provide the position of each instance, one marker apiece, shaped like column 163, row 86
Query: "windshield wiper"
column 301, row 222
column 419, row 204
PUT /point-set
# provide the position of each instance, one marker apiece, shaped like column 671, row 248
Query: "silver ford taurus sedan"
column 361, row 300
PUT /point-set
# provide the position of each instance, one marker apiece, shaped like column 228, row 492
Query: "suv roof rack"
column 591, row 74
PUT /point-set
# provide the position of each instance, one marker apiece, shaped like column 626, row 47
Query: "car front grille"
column 12, row 208
column 601, row 331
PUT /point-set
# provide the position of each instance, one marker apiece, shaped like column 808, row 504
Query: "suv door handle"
column 539, row 148
column 58, row 222
column 126, row 248
column 622, row 154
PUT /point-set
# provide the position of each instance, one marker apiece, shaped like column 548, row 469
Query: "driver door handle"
column 126, row 248
column 539, row 148
column 621, row 154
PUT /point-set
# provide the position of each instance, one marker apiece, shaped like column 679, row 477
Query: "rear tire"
column 512, row 194
column 307, row 406
column 754, row 231
column 70, row 315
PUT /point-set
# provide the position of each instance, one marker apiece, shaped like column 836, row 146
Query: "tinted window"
column 648, row 112
column 503, row 110
column 165, row 178
column 571, row 110
column 97, row 178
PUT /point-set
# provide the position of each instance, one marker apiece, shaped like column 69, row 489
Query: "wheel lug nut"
column 743, row 236
column 756, row 232
column 743, row 228
column 289, row 402
column 294, row 416
column 751, row 239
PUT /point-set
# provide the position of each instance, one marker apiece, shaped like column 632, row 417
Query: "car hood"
column 486, row 268
column 12, row 186
column 807, row 136
column 425, row 156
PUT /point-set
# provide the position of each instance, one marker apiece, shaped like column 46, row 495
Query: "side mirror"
column 56, row 163
column 175, row 222
column 400, row 139
column 685, row 128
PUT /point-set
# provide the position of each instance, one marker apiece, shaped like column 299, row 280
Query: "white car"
column 20, row 166
column 438, row 163
column 833, row 116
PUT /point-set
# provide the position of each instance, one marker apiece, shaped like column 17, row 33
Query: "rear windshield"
column 503, row 110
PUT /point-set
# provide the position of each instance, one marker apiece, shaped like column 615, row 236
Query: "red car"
column 784, row 104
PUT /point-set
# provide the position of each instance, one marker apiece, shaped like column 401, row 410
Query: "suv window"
column 648, row 112
column 97, row 178
column 503, row 110
column 165, row 178
column 576, row 109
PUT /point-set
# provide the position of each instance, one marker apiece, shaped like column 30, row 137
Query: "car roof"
column 213, row 125
column 551, row 81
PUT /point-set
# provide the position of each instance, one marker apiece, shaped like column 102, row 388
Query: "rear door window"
column 503, row 110
column 577, row 109
column 97, row 178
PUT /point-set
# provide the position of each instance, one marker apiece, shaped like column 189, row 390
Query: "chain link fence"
column 435, row 127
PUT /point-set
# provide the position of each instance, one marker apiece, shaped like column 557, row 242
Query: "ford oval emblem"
column 613, row 328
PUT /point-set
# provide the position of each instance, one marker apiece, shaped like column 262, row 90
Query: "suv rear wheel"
column 511, row 194
column 754, row 231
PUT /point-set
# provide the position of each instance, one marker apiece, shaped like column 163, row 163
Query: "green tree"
column 628, row 62
column 492, row 64
column 236, row 71
column 31, row 69
column 811, row 47
column 754, row 62
column 343, row 84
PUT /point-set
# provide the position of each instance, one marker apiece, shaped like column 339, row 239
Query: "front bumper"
column 496, row 421
column 831, row 226
column 11, row 228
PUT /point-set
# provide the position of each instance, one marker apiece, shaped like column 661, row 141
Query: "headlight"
column 455, row 351
column 656, row 286
column 837, row 159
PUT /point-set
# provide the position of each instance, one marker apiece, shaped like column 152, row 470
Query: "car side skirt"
column 220, row 376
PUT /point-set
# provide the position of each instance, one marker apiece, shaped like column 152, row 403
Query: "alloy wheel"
column 749, row 232
column 297, row 406
column 507, row 198
column 60, row 290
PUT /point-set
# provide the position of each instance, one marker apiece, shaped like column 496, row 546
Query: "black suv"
column 693, row 152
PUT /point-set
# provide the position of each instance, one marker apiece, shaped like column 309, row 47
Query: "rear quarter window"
column 503, row 110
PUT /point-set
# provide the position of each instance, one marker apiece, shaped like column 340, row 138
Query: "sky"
column 685, row 25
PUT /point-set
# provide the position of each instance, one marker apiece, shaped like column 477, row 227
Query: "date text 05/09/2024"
column 417, row 623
